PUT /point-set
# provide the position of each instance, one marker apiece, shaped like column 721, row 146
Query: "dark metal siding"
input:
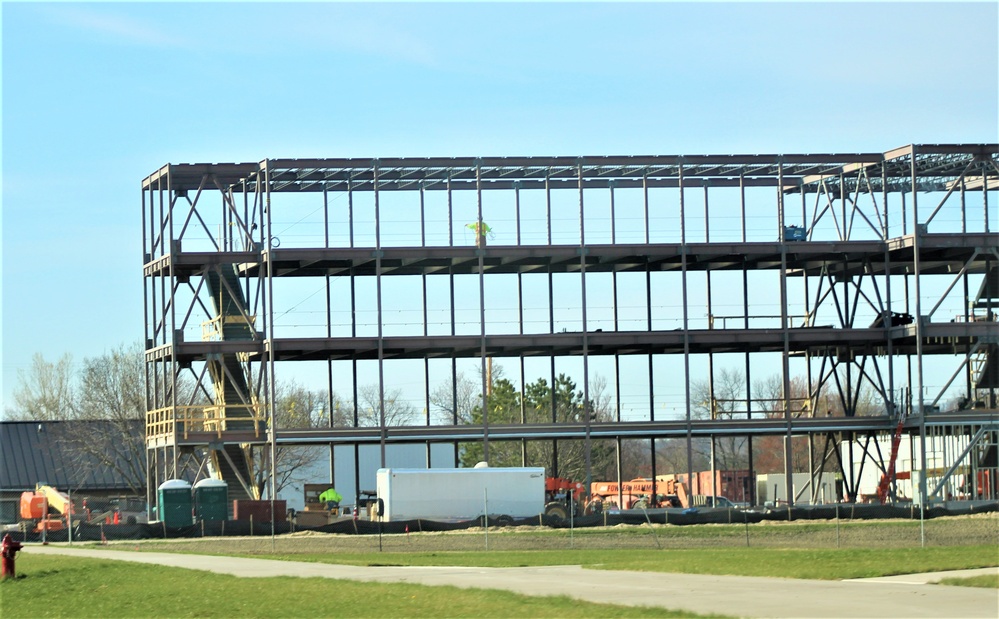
column 30, row 452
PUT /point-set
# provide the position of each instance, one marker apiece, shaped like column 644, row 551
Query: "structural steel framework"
column 872, row 279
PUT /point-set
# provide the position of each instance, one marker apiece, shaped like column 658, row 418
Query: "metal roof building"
column 35, row 451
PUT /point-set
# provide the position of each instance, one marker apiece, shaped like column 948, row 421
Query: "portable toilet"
column 174, row 505
column 211, row 500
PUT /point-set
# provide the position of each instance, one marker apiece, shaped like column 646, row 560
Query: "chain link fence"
column 826, row 526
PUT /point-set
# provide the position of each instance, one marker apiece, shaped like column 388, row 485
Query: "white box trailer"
column 771, row 488
column 460, row 494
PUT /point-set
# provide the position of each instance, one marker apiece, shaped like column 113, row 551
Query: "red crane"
column 889, row 476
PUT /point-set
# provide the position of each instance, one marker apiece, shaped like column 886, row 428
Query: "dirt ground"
column 947, row 531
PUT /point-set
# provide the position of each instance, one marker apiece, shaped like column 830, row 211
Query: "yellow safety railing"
column 211, row 330
column 181, row 420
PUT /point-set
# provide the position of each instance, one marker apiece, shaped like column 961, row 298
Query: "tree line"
column 110, row 389
column 105, row 395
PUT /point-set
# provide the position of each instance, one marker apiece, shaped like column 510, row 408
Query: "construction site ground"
column 894, row 533
column 735, row 596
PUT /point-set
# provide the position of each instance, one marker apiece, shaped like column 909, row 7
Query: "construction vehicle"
column 884, row 486
column 982, row 483
column 614, row 495
column 114, row 510
column 707, row 500
column 986, row 486
column 565, row 498
column 37, row 508
column 735, row 484
column 888, row 318
column 642, row 493
column 794, row 234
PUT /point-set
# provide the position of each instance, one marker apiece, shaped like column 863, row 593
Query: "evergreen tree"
column 504, row 404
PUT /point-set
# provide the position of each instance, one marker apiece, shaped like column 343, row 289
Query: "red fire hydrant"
column 8, row 548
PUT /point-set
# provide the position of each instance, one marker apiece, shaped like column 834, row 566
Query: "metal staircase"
column 236, row 406
column 984, row 368
column 985, row 364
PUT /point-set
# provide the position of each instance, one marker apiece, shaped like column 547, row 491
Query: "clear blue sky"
column 97, row 96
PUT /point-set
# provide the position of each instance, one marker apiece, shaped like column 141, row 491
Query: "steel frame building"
column 667, row 266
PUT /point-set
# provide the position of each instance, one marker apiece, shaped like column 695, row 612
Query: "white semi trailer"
column 460, row 494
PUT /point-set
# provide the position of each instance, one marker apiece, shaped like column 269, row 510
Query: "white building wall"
column 772, row 489
column 941, row 453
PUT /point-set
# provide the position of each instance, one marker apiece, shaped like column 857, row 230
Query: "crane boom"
column 886, row 480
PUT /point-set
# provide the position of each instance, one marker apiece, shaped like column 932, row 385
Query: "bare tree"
column 802, row 401
column 298, row 407
column 635, row 460
column 109, row 413
column 295, row 406
column 340, row 413
column 671, row 455
column 398, row 411
column 722, row 398
column 45, row 391
column 453, row 400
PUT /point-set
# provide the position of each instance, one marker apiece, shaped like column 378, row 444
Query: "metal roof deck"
column 936, row 165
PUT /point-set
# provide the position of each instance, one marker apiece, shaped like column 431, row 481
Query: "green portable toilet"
column 211, row 500
column 174, row 505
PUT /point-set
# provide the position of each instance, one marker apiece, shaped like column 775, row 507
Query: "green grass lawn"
column 989, row 581
column 61, row 586
column 829, row 564
column 66, row 586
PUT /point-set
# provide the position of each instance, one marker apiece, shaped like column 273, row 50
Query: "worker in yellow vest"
column 331, row 498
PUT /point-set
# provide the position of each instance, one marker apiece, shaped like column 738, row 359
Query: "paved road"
column 737, row 596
